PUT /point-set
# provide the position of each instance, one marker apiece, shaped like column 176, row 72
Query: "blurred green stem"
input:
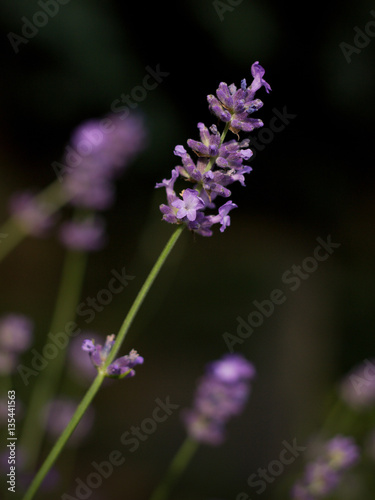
column 90, row 394
column 176, row 468
column 45, row 387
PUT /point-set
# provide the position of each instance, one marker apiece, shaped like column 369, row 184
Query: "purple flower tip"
column 88, row 345
column 218, row 163
column 121, row 367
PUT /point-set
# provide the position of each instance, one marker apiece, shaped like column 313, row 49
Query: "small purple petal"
column 189, row 205
column 88, row 345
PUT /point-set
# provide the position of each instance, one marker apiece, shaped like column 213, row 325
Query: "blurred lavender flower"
column 98, row 153
column 84, row 235
column 58, row 413
column 120, row 368
column 33, row 216
column 341, row 453
column 221, row 394
column 15, row 338
column 322, row 476
column 97, row 156
column 357, row 389
column 233, row 107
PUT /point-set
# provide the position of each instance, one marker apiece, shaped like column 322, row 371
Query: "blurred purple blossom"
column 341, row 453
column 84, row 235
column 15, row 333
column 97, row 155
column 221, row 394
column 34, row 216
column 322, row 476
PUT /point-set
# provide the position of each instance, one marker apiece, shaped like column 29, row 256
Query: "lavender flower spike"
column 324, row 475
column 121, row 367
column 221, row 394
column 218, row 163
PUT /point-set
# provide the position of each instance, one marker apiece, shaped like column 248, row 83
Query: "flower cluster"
column 219, row 163
column 221, row 394
column 97, row 154
column 322, row 476
column 15, row 338
column 121, row 367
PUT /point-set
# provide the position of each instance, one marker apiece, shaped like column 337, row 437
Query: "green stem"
column 89, row 396
column 142, row 294
column 176, row 468
column 60, row 443
column 67, row 298
column 222, row 137
column 12, row 232
column 224, row 132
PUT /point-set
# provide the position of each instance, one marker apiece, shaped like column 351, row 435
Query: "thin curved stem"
column 142, row 294
column 90, row 394
column 60, row 443
column 176, row 468
column 12, row 232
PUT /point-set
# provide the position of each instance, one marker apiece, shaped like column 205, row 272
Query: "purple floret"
column 120, row 368
column 188, row 206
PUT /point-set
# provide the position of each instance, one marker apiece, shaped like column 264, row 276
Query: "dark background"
column 315, row 178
